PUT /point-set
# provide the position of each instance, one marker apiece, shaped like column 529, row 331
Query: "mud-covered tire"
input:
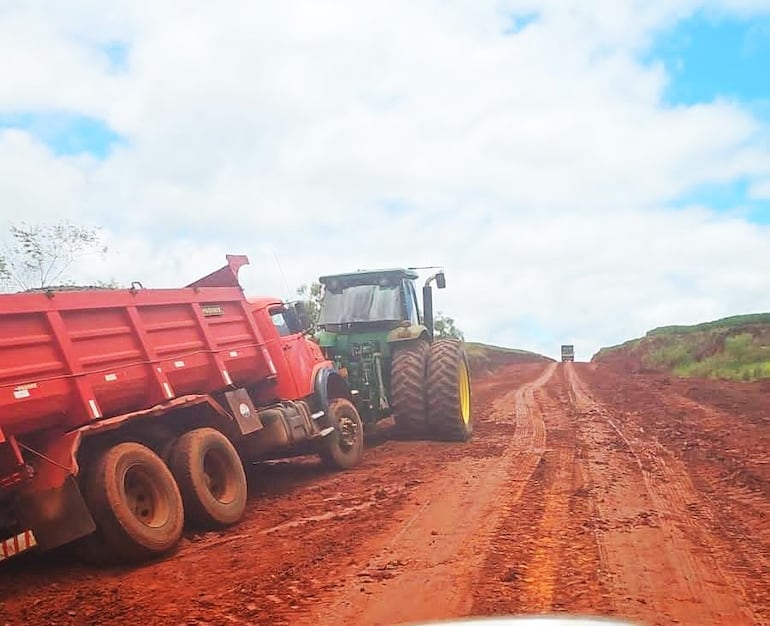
column 450, row 416
column 135, row 503
column 211, row 478
column 407, row 388
column 344, row 447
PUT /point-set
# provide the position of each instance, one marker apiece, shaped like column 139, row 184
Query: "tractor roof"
column 362, row 276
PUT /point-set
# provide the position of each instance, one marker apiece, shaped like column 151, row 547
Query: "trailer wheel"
column 210, row 476
column 407, row 375
column 343, row 448
column 135, row 503
column 449, row 391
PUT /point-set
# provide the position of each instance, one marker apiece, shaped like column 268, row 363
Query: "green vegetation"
column 735, row 348
column 444, row 326
column 484, row 357
column 736, row 321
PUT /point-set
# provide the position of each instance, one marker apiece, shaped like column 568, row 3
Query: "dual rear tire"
column 430, row 389
column 140, row 504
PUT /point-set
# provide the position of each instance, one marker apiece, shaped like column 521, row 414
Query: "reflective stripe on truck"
column 15, row 545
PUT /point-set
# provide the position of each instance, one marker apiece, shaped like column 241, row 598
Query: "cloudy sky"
column 584, row 169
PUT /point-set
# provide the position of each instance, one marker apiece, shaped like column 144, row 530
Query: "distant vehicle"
column 567, row 353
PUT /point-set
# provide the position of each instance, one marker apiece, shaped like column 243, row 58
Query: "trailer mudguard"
column 56, row 516
column 50, row 503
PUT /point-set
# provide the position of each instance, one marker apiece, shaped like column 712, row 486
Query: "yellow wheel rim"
column 464, row 387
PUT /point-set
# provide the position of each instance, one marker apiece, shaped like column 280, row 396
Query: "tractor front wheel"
column 449, row 391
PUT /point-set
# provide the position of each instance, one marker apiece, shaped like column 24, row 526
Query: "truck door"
column 298, row 356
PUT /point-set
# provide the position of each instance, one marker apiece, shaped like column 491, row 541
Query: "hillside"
column 484, row 358
column 734, row 348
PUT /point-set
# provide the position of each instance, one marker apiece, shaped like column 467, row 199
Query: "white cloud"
column 760, row 190
column 538, row 167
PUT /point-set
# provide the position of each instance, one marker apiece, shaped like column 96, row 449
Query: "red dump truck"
column 126, row 414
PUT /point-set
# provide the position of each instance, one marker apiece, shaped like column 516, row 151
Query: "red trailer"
column 125, row 414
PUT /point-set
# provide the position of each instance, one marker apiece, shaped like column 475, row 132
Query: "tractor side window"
column 412, row 307
column 279, row 321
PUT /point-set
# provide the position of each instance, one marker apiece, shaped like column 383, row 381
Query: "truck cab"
column 297, row 359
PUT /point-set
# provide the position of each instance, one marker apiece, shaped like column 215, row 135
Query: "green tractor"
column 371, row 326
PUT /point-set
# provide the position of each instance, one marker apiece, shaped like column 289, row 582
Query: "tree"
column 40, row 256
column 444, row 326
column 311, row 296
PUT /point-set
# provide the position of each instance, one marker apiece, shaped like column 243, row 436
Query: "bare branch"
column 41, row 255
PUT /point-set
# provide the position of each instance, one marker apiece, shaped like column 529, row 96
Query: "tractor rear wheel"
column 449, row 391
column 407, row 388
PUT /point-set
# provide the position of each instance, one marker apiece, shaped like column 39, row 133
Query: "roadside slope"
column 736, row 348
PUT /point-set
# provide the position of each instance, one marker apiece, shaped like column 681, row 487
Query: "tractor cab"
column 371, row 300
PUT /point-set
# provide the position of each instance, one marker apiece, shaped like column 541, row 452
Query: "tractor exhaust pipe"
column 427, row 299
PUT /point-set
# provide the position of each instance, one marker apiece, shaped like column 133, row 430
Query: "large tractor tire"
column 449, row 392
column 135, row 503
column 210, row 476
column 343, row 448
column 407, row 389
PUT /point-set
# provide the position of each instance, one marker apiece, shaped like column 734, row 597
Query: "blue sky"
column 710, row 57
column 573, row 195
column 65, row 133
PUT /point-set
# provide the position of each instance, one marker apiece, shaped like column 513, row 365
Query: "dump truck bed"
column 67, row 358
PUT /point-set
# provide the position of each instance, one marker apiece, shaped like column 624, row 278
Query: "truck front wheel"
column 210, row 476
column 135, row 503
column 343, row 448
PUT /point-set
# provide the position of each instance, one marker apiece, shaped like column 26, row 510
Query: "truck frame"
column 127, row 414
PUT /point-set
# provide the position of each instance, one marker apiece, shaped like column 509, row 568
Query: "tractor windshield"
column 361, row 303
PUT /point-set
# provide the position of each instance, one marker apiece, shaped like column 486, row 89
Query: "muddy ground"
column 584, row 491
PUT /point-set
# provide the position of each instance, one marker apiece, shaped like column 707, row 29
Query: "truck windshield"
column 361, row 303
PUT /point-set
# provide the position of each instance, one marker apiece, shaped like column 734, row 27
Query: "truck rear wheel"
column 210, row 476
column 449, row 391
column 407, row 376
column 135, row 503
column 343, row 448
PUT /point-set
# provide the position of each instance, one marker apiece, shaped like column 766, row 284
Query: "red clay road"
column 584, row 491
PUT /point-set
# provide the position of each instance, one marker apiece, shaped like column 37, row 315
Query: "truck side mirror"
column 441, row 280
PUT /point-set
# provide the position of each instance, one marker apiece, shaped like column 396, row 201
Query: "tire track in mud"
column 655, row 551
column 438, row 548
column 544, row 560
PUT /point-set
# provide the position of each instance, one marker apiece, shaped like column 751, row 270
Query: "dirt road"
column 583, row 491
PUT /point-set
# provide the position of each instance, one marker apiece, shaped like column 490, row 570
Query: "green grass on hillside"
column 735, row 348
column 725, row 322
column 481, row 356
